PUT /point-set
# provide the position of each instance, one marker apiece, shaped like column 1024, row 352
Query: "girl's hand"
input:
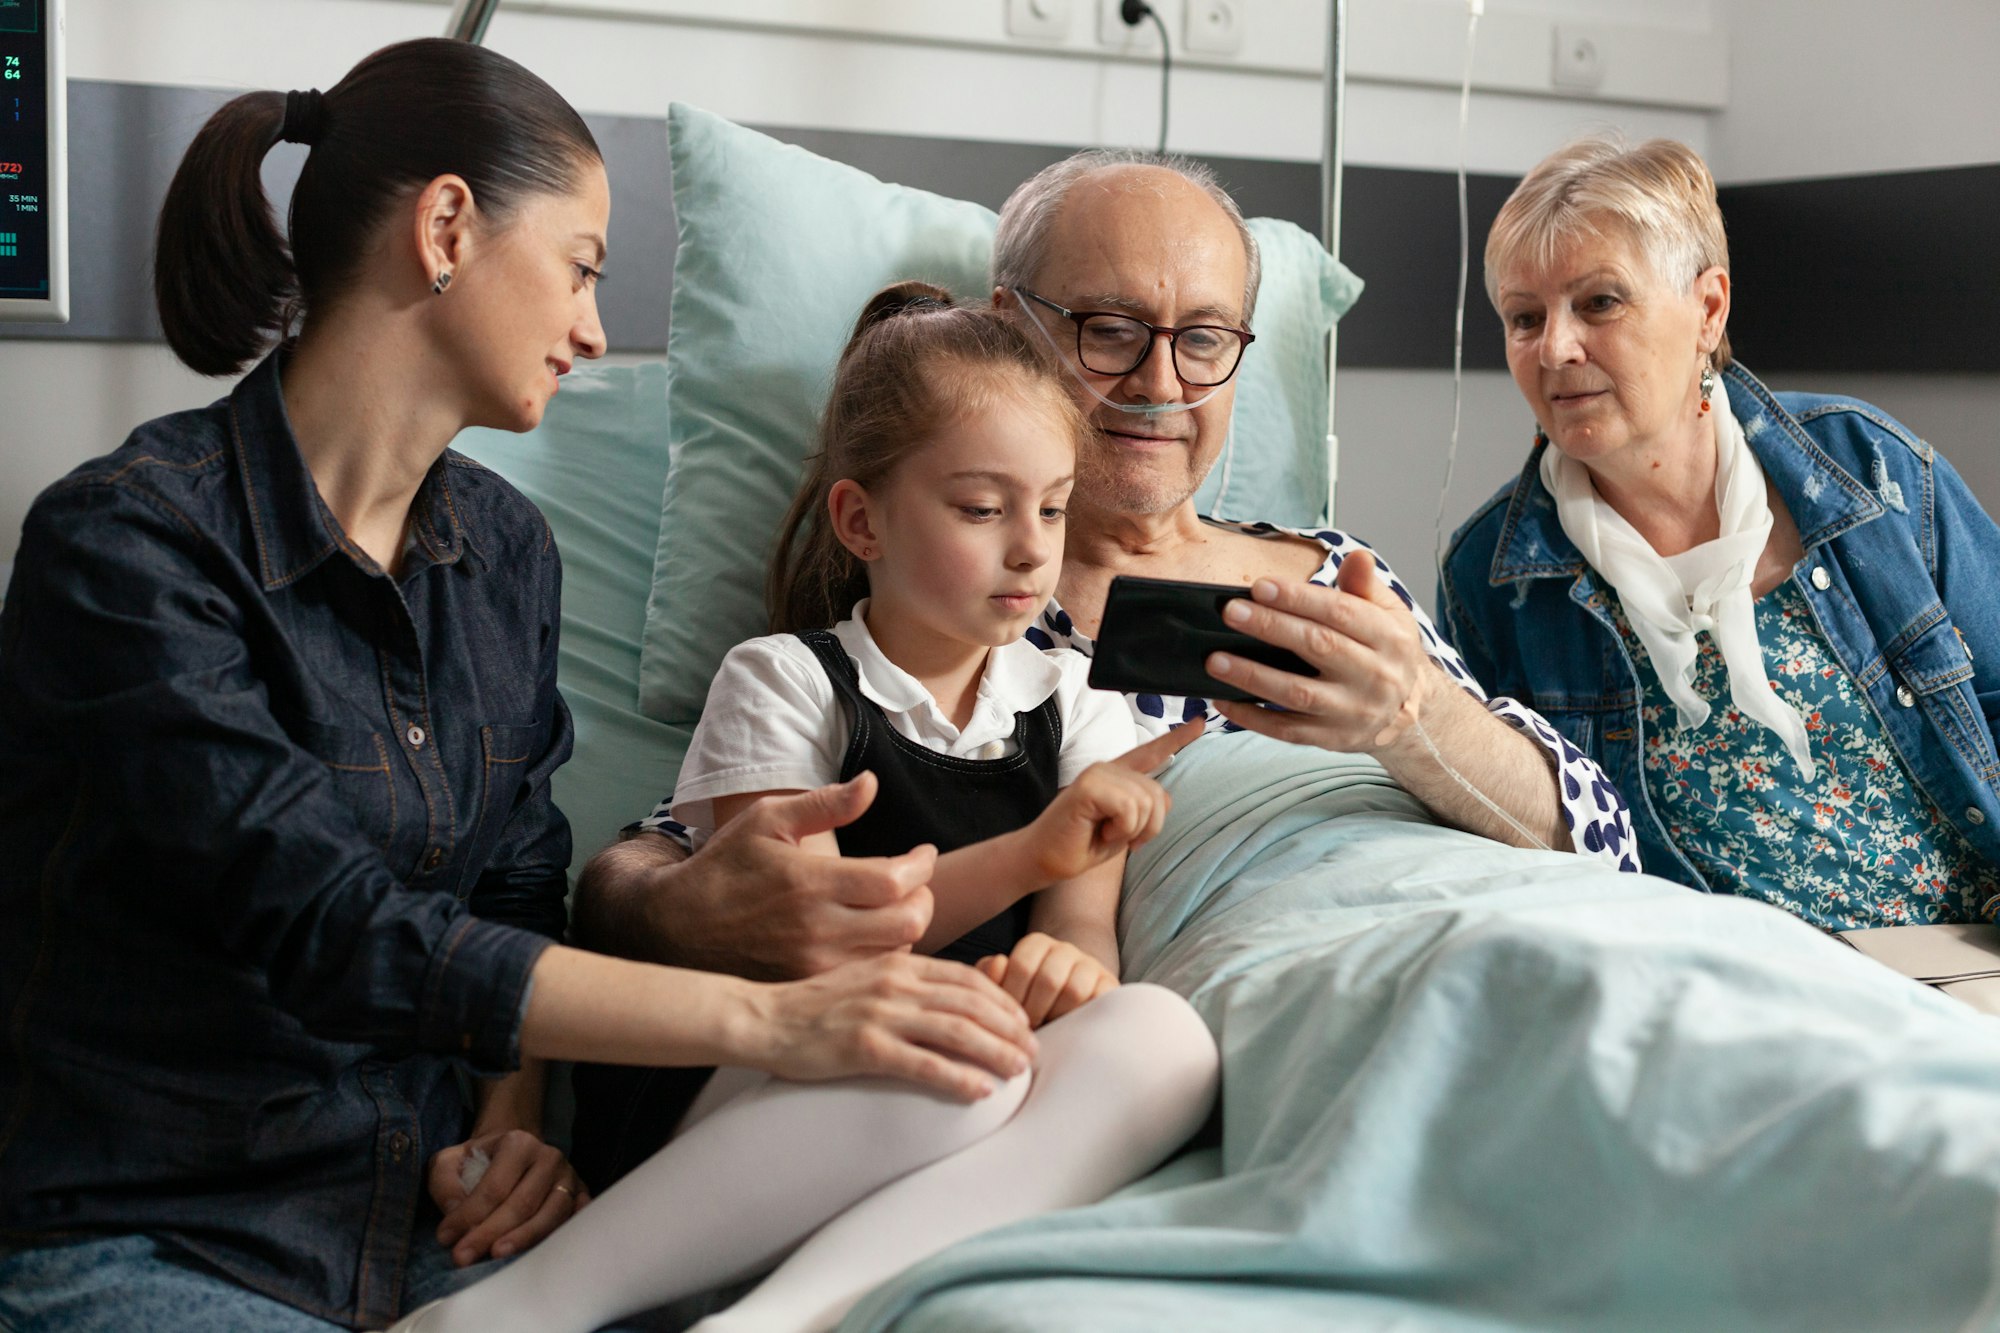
column 1112, row 807
column 1048, row 977
column 526, row 1190
column 932, row 1022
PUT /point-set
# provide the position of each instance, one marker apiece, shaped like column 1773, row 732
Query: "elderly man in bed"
column 1114, row 234
column 1098, row 238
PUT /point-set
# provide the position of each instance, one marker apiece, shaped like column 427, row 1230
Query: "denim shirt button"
column 1974, row 815
column 399, row 1143
column 1820, row 578
column 415, row 736
column 434, row 858
column 1906, row 696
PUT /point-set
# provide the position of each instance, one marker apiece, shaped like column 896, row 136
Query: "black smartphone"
column 1158, row 633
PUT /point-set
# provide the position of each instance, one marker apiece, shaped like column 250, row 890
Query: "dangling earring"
column 443, row 281
column 1707, row 382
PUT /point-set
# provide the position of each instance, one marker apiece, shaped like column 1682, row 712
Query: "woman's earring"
column 1707, row 381
column 443, row 281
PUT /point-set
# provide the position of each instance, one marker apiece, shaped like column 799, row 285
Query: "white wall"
column 1395, row 429
column 67, row 402
column 1018, row 93
column 1834, row 87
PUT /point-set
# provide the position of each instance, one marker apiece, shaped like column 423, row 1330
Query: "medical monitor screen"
column 33, row 276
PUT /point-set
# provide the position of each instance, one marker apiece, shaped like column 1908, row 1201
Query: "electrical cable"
column 1133, row 12
column 1166, row 71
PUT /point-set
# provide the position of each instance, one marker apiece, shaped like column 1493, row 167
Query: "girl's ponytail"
column 900, row 298
column 814, row 580
column 222, row 273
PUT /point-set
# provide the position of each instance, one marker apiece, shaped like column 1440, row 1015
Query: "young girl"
column 930, row 529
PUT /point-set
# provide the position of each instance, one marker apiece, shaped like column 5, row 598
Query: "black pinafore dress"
column 624, row 1114
column 939, row 798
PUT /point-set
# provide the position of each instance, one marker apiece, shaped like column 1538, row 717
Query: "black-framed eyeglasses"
column 1205, row 355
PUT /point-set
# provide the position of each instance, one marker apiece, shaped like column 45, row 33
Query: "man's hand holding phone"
column 1343, row 668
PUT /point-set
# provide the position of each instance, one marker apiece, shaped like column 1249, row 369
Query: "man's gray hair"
column 1020, row 244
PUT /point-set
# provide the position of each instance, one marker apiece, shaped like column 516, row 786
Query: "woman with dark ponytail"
column 278, row 716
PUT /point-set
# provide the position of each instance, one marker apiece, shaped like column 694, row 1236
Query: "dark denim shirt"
column 276, row 849
column 1901, row 570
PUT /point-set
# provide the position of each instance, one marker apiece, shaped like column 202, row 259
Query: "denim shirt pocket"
column 358, row 761
column 1933, row 666
column 508, row 755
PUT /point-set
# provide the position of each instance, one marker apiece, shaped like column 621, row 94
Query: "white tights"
column 878, row 1174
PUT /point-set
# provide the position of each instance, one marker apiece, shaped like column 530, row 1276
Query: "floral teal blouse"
column 1860, row 845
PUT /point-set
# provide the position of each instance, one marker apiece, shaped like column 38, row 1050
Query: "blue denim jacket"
column 278, row 849
column 1902, row 571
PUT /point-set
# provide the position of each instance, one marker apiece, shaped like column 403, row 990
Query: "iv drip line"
column 1473, row 10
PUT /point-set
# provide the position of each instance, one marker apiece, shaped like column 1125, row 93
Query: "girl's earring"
column 443, row 281
column 1708, row 382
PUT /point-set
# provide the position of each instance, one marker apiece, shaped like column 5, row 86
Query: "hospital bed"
column 1464, row 1087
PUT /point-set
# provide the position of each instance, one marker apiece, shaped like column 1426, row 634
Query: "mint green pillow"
column 595, row 467
column 778, row 250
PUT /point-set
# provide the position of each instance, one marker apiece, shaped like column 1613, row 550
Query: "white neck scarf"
column 1669, row 599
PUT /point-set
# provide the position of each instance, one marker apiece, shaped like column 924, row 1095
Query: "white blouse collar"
column 1018, row 678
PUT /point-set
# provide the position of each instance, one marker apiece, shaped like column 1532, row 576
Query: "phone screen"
column 1157, row 635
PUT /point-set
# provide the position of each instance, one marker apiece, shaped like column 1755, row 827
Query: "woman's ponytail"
column 222, row 273
column 229, row 282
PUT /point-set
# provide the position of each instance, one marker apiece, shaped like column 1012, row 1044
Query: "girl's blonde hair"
column 915, row 362
column 1658, row 194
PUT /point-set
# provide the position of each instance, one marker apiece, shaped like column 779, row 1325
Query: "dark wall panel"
column 1892, row 272
column 1399, row 231
column 1883, row 272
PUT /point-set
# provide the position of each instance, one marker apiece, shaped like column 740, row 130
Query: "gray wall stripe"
column 1878, row 272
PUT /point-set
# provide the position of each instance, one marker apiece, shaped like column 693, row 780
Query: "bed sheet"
column 1469, row 1087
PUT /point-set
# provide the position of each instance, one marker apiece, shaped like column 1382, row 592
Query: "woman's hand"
column 1111, row 808
column 901, row 1015
column 1047, row 976
column 526, row 1190
column 1373, row 668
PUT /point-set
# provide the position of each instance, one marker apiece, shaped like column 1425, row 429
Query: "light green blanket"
column 1473, row 1088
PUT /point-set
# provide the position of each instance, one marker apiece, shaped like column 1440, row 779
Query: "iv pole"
column 469, row 19
column 1332, row 162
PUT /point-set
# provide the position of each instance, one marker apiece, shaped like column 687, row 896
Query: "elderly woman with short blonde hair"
column 1771, row 617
